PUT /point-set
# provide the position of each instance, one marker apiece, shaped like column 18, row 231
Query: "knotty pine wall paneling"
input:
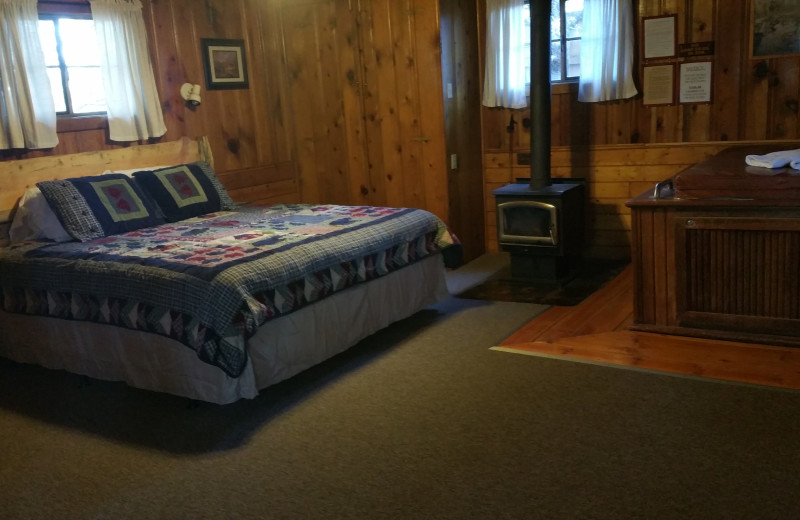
column 380, row 92
column 247, row 128
column 428, row 58
column 699, row 22
column 623, row 147
column 344, row 103
column 392, row 97
column 365, row 89
column 314, row 44
column 273, row 131
column 403, row 102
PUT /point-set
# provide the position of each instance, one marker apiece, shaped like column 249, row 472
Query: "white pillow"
column 34, row 220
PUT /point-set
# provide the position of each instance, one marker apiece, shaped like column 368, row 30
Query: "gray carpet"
column 421, row 420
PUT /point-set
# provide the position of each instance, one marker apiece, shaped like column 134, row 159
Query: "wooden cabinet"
column 727, row 269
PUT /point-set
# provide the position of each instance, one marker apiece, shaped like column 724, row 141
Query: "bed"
column 205, row 299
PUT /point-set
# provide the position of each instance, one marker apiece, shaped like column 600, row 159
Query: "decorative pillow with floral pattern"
column 185, row 191
column 101, row 205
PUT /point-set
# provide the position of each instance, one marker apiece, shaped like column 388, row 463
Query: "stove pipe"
column 540, row 94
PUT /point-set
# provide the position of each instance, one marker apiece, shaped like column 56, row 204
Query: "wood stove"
column 541, row 222
column 542, row 229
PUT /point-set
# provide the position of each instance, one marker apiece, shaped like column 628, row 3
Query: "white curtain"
column 27, row 111
column 504, row 81
column 607, row 51
column 134, row 111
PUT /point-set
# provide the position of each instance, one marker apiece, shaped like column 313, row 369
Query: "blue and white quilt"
column 210, row 281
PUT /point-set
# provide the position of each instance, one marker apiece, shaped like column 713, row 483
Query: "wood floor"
column 597, row 330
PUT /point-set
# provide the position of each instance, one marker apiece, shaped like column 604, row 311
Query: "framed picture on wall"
column 775, row 29
column 224, row 63
column 660, row 34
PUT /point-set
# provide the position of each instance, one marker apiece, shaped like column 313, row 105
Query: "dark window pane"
column 573, row 58
column 555, row 61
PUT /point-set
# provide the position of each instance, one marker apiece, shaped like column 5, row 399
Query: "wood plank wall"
column 249, row 130
column 623, row 147
column 344, row 103
column 365, row 89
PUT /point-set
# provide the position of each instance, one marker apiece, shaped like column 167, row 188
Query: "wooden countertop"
column 726, row 180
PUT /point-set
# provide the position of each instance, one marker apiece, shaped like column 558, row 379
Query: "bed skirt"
column 280, row 349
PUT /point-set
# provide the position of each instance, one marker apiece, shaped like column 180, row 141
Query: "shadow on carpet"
column 588, row 277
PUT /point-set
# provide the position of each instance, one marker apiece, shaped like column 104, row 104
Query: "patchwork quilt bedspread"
column 210, row 281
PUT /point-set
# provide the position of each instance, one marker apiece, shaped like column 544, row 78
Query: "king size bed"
column 162, row 282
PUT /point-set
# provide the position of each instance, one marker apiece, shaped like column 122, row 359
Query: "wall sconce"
column 191, row 93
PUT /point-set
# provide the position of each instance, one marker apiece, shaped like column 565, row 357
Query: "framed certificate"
column 660, row 34
column 658, row 84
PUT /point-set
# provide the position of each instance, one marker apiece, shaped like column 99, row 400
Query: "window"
column 566, row 27
column 73, row 64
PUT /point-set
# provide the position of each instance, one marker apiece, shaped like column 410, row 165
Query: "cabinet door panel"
column 741, row 274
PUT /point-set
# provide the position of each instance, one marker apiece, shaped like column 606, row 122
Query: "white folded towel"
column 775, row 159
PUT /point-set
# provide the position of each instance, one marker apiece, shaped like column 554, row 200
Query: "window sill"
column 80, row 124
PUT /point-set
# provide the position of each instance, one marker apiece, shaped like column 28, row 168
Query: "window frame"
column 72, row 122
column 564, row 41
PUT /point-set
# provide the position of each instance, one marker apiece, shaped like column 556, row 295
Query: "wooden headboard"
column 17, row 176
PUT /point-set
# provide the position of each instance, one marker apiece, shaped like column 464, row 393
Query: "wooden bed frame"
column 19, row 175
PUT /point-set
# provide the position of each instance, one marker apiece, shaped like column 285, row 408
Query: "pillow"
column 34, row 220
column 131, row 171
column 185, row 191
column 100, row 205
